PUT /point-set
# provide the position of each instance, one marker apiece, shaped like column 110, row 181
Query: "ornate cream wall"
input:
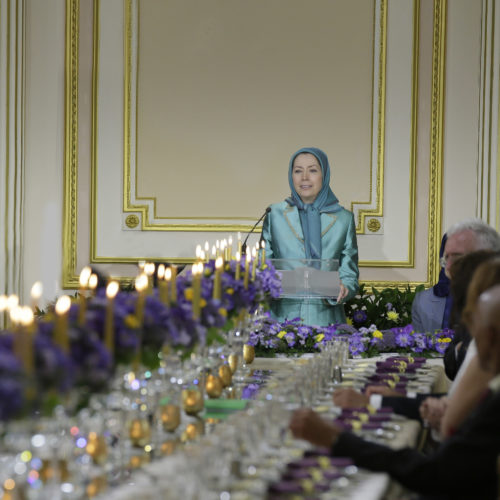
column 110, row 124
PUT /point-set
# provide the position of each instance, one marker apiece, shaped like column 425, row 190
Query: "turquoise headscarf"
column 310, row 213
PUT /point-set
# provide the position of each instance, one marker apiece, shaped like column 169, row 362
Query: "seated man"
column 464, row 466
column 462, row 271
column 431, row 308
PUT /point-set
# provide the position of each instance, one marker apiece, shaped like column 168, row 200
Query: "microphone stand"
column 244, row 246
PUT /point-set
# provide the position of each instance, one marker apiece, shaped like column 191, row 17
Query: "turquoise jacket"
column 282, row 233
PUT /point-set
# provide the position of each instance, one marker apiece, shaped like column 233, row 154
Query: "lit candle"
column 160, row 272
column 82, row 299
column 166, row 288
column 162, row 284
column 230, row 248
column 263, row 254
column 61, row 325
column 27, row 323
column 239, row 242
column 207, row 251
column 149, row 271
column 173, row 288
column 255, row 263
column 217, row 248
column 36, row 293
column 197, row 272
column 217, row 292
column 109, row 325
column 214, row 252
column 141, row 285
column 198, row 252
column 237, row 271
column 225, row 249
column 93, row 280
column 248, row 258
column 12, row 303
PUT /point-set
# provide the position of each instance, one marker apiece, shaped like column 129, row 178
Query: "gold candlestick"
column 165, row 287
column 254, row 263
column 109, row 324
column 230, row 248
column 239, row 243
column 248, row 258
column 217, row 292
column 173, row 289
column 61, row 324
column 237, row 272
column 197, row 272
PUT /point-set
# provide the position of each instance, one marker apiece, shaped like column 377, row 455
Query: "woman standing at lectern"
column 311, row 224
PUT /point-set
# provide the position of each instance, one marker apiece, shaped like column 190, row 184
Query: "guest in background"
column 429, row 306
column 464, row 465
column 434, row 408
column 311, row 224
column 464, row 237
column 432, row 308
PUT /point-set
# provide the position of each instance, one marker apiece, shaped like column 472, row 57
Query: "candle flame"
column 26, row 317
column 141, row 264
column 141, row 282
column 112, row 289
column 218, row 262
column 207, row 247
column 248, row 257
column 63, row 304
column 12, row 301
column 263, row 244
column 168, row 274
column 36, row 290
column 160, row 272
column 15, row 315
column 238, row 256
column 214, row 251
column 93, row 281
column 230, row 240
column 149, row 268
column 254, row 253
column 85, row 276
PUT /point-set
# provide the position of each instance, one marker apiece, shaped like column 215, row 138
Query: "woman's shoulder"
column 281, row 207
column 344, row 214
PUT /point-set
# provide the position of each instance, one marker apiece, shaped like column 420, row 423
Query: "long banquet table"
column 152, row 481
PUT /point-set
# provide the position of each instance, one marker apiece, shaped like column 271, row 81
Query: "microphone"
column 244, row 246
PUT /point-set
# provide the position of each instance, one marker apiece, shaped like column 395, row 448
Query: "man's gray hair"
column 488, row 238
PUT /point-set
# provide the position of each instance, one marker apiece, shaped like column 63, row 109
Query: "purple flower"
column 404, row 339
column 359, row 316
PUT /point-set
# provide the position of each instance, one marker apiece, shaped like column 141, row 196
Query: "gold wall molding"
column 70, row 219
column 12, row 129
column 437, row 127
column 378, row 211
column 71, row 148
column 148, row 207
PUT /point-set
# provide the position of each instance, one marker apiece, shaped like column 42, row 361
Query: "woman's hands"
column 342, row 294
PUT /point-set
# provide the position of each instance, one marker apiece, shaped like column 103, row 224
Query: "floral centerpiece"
column 293, row 337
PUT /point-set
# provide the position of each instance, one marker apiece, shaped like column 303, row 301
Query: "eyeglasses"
column 451, row 258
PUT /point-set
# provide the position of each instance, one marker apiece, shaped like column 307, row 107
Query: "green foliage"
column 386, row 308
